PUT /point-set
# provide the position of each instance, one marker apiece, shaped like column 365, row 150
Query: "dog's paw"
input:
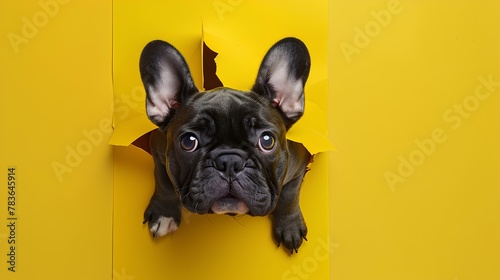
column 290, row 230
column 162, row 226
column 160, row 222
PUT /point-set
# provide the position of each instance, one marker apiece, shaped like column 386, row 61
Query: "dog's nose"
column 229, row 164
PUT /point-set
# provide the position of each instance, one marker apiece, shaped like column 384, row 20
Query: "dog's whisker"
column 186, row 195
column 237, row 218
column 208, row 217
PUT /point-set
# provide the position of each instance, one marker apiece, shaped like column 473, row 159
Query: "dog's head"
column 226, row 150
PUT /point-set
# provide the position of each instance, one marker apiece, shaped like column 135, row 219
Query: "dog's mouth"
column 229, row 205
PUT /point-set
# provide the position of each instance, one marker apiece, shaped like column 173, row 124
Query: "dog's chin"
column 229, row 206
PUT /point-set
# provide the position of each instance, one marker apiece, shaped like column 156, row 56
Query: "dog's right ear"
column 167, row 80
column 282, row 77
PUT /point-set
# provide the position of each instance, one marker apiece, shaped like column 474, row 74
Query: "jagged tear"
column 210, row 81
column 143, row 142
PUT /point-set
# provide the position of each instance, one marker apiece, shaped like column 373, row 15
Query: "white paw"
column 163, row 226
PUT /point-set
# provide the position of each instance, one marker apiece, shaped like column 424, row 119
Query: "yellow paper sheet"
column 415, row 183
column 211, row 246
column 55, row 122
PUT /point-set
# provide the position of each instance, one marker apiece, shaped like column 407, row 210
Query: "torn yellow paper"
column 237, row 61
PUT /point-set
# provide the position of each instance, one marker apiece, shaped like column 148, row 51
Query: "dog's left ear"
column 167, row 80
column 282, row 77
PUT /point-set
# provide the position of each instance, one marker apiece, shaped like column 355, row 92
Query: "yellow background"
column 441, row 223
column 55, row 90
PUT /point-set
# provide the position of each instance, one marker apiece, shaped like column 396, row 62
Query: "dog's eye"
column 189, row 142
column 266, row 143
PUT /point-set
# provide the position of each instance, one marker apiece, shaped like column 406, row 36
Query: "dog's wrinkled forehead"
column 224, row 99
column 227, row 110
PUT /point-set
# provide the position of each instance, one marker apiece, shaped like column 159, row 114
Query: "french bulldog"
column 225, row 151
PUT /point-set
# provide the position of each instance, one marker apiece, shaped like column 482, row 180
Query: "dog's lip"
column 229, row 204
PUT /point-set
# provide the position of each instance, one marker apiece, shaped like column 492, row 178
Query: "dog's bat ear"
column 167, row 80
column 282, row 76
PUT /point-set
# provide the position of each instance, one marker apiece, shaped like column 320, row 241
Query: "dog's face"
column 227, row 153
column 226, row 150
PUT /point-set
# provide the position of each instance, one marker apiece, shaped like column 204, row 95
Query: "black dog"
column 224, row 151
